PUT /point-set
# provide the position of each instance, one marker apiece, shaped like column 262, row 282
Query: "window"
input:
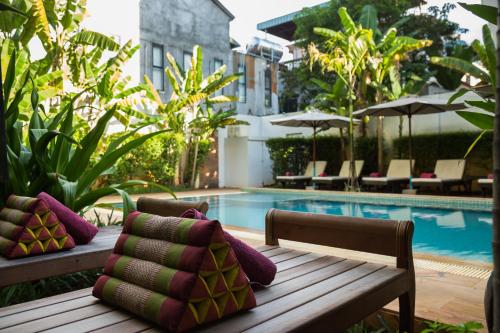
column 242, row 84
column 268, row 93
column 158, row 68
column 187, row 58
column 218, row 64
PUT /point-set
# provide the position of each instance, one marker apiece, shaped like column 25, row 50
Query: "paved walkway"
column 447, row 290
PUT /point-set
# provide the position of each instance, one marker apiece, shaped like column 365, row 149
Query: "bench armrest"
column 385, row 237
column 169, row 207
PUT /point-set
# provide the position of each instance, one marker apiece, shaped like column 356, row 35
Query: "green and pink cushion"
column 27, row 227
column 176, row 272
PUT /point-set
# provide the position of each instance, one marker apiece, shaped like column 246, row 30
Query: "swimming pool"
column 463, row 234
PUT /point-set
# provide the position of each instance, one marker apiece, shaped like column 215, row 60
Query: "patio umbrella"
column 412, row 106
column 315, row 120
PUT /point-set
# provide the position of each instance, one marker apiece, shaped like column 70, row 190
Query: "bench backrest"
column 169, row 207
column 385, row 237
column 450, row 169
column 344, row 170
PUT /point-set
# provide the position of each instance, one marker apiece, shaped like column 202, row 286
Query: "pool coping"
column 421, row 201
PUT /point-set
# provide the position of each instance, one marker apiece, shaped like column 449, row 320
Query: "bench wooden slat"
column 304, row 281
column 49, row 310
column 264, row 248
column 51, row 321
column 44, row 302
column 304, row 269
column 276, row 252
column 93, row 323
column 287, row 256
column 299, row 319
column 282, row 266
column 127, row 326
column 284, row 304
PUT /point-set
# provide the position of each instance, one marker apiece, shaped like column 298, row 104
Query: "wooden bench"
column 312, row 292
column 84, row 257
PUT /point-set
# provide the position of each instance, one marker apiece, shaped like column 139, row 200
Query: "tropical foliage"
column 58, row 108
column 482, row 70
column 366, row 67
column 191, row 109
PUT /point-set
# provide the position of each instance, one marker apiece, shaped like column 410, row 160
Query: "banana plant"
column 346, row 56
column 483, row 70
column 193, row 95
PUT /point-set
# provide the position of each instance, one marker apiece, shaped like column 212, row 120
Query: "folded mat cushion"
column 177, row 272
column 27, row 204
column 81, row 230
column 258, row 267
column 23, row 233
column 173, row 229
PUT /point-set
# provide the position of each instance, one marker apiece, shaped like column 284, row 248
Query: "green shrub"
column 293, row 154
column 428, row 148
column 155, row 161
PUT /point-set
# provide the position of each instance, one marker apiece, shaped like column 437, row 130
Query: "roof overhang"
column 224, row 9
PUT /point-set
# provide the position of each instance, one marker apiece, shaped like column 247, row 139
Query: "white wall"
column 244, row 159
column 119, row 19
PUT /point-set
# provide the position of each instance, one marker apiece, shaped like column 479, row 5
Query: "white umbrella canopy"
column 314, row 119
column 412, row 106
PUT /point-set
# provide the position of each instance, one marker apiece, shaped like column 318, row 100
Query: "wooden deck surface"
column 82, row 257
column 309, row 289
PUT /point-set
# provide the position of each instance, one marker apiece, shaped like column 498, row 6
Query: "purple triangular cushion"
column 81, row 230
column 257, row 267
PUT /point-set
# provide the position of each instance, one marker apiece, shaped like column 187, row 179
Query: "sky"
column 249, row 13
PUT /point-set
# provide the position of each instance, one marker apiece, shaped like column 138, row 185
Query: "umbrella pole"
column 410, row 153
column 3, row 145
column 314, row 151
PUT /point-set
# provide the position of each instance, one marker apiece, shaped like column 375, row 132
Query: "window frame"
column 155, row 67
column 242, row 82
column 268, row 88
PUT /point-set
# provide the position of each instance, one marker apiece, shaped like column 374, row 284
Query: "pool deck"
column 448, row 290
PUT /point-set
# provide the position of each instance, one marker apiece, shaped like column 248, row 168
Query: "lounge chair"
column 303, row 180
column 485, row 184
column 448, row 173
column 340, row 180
column 397, row 175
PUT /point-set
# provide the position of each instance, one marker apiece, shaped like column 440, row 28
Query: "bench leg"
column 407, row 312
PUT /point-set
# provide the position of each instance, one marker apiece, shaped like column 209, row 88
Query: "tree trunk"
column 195, row 162
column 496, row 192
column 3, row 147
column 380, row 144
column 353, row 186
column 343, row 151
column 183, row 162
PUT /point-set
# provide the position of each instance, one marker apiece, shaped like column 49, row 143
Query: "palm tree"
column 346, row 55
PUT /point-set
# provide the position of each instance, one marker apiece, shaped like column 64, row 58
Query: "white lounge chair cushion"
column 383, row 180
column 485, row 181
column 292, row 178
column 434, row 180
column 329, row 178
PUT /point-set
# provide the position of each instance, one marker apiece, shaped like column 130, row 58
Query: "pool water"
column 458, row 233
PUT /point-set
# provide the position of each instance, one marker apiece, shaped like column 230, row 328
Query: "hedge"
column 429, row 148
column 154, row 161
column 293, row 154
